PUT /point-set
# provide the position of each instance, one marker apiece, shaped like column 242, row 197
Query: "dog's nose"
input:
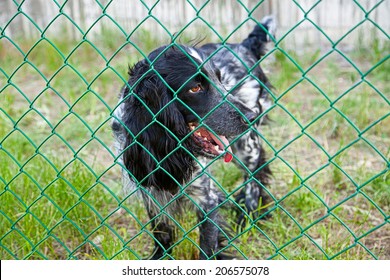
column 249, row 118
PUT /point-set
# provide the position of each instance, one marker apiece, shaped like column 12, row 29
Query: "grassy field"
column 328, row 144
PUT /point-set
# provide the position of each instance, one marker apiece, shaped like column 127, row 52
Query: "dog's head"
column 175, row 109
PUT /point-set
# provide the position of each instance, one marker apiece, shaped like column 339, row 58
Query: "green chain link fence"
column 328, row 141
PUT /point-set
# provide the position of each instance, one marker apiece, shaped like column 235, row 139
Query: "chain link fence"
column 62, row 64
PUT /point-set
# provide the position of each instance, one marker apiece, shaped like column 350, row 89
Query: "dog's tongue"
column 224, row 145
column 228, row 157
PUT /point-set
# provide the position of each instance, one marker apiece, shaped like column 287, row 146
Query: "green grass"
column 327, row 143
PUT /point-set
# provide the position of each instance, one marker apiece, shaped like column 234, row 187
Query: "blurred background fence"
column 334, row 16
column 62, row 64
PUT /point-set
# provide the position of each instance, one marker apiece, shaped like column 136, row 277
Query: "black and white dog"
column 181, row 106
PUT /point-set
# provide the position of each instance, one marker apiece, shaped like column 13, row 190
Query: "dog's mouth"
column 211, row 144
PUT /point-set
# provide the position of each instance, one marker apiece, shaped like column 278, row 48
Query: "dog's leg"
column 163, row 238
column 163, row 231
column 252, row 157
column 213, row 230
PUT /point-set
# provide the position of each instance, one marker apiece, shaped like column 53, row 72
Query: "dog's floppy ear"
column 154, row 152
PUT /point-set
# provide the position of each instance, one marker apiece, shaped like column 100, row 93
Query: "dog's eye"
column 195, row 89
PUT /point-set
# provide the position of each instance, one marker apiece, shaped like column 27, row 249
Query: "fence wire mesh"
column 327, row 141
